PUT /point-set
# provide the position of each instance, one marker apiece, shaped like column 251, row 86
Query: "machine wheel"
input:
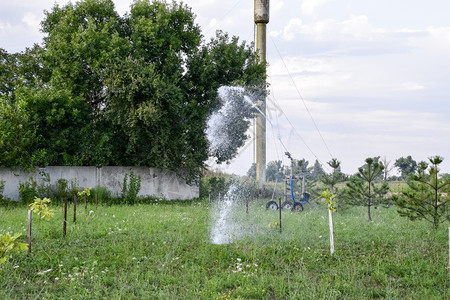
column 287, row 205
column 298, row 207
column 272, row 205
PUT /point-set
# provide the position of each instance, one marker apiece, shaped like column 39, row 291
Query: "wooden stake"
column 279, row 208
column 65, row 216
column 29, row 231
column 74, row 208
column 246, row 205
column 96, row 200
column 85, row 202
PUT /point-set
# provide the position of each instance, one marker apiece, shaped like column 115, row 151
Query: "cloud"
column 411, row 86
column 276, row 5
column 354, row 28
column 17, row 36
column 32, row 20
column 310, row 6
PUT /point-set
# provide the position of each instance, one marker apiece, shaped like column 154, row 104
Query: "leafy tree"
column 362, row 190
column 227, row 126
column 406, row 166
column 251, row 173
column 132, row 90
column 275, row 171
column 18, row 137
column 59, row 119
column 427, row 194
column 316, row 171
column 8, row 73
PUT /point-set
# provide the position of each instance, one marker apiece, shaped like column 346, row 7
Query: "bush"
column 131, row 188
column 2, row 187
column 213, row 187
column 28, row 191
column 104, row 196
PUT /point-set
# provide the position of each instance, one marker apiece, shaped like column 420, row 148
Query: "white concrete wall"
column 154, row 182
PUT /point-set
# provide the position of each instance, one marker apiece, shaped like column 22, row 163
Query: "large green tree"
column 275, row 171
column 317, row 170
column 406, row 166
column 426, row 196
column 8, row 73
column 131, row 90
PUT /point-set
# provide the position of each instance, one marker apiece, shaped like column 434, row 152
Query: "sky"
column 348, row 79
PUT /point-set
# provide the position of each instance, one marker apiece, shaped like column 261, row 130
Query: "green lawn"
column 163, row 251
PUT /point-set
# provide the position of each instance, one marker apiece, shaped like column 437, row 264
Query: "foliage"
column 2, row 187
column 39, row 207
column 329, row 199
column 426, row 196
column 60, row 189
column 336, row 175
column 317, row 171
column 60, row 120
column 110, row 90
column 362, row 190
column 87, row 190
column 18, row 137
column 301, row 167
column 229, row 122
column 131, row 188
column 251, row 173
column 245, row 189
column 8, row 243
column 406, row 166
column 274, row 171
column 8, row 65
column 104, row 196
column 29, row 190
column 213, row 187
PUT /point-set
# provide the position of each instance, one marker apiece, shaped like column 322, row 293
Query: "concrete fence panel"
column 154, row 182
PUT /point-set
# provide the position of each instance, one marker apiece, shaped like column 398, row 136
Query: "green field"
column 163, row 251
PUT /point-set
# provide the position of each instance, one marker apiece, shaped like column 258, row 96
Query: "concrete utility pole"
column 261, row 19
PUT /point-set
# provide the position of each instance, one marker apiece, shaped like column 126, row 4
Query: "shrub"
column 28, row 191
column 131, row 188
column 8, row 243
column 213, row 187
column 104, row 196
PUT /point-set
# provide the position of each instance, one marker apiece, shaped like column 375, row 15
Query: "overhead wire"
column 294, row 128
column 300, row 95
column 296, row 131
column 236, row 3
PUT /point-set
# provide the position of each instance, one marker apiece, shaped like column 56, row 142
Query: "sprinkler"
column 294, row 205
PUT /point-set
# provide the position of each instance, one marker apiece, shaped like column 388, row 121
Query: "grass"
column 163, row 251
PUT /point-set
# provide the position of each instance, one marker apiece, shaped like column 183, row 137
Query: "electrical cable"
column 304, row 103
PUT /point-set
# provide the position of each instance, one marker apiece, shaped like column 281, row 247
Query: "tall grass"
column 163, row 251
